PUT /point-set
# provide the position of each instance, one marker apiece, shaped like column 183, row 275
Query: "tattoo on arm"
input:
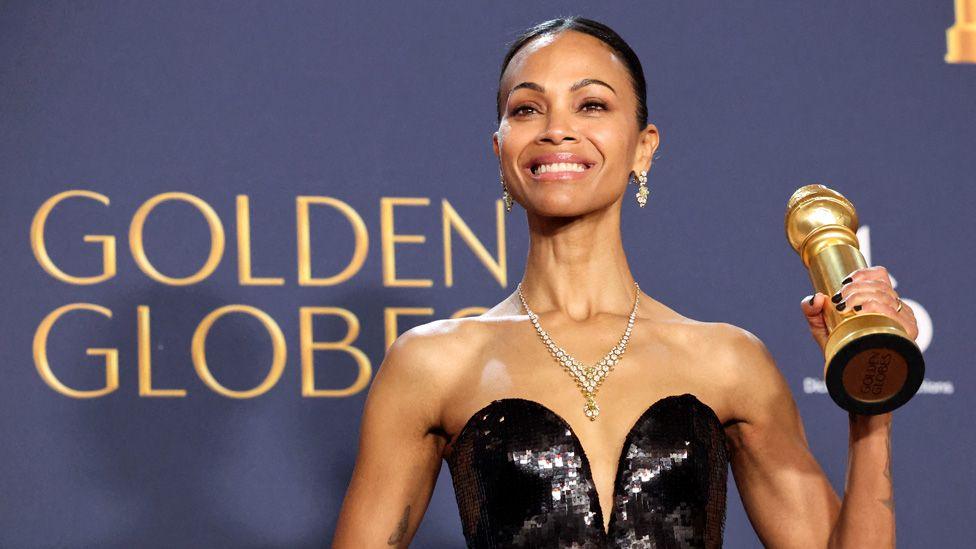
column 401, row 528
column 889, row 502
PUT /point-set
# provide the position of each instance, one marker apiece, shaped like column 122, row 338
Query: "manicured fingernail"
column 857, row 307
column 810, row 301
column 840, row 306
column 837, row 297
column 847, row 280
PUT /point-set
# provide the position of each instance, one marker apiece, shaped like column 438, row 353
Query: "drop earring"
column 642, row 189
column 506, row 197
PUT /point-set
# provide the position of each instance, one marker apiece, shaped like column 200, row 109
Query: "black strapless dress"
column 522, row 480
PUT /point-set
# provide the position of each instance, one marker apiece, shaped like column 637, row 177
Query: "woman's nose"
column 558, row 128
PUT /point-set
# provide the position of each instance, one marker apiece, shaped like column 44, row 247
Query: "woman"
column 537, row 462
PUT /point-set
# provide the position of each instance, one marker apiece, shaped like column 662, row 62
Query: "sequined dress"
column 522, row 479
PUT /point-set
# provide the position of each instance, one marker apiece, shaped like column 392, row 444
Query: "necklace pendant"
column 591, row 409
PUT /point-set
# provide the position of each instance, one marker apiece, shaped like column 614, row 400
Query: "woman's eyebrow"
column 588, row 81
column 582, row 83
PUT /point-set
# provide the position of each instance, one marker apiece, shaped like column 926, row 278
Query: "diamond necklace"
column 587, row 378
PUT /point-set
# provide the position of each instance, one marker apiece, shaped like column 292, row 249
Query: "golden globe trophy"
column 872, row 366
column 961, row 37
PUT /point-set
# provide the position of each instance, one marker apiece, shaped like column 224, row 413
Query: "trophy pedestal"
column 871, row 366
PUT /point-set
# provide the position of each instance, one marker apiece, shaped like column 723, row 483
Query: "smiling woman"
column 571, row 122
column 533, row 464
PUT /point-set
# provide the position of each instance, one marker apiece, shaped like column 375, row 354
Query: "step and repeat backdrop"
column 217, row 216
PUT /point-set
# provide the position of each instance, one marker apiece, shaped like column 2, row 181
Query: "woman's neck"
column 578, row 267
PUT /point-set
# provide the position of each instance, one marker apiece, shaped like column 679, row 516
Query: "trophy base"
column 875, row 373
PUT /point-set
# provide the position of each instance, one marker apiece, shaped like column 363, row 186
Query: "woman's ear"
column 494, row 144
column 646, row 145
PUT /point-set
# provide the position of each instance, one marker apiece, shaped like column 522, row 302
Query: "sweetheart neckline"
column 604, row 526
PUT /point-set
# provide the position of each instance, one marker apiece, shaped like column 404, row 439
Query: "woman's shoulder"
column 442, row 334
column 730, row 347
column 723, row 341
column 732, row 353
column 435, row 353
column 733, row 363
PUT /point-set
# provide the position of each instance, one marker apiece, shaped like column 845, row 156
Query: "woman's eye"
column 597, row 104
column 518, row 111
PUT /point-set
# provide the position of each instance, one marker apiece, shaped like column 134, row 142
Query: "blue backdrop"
column 386, row 110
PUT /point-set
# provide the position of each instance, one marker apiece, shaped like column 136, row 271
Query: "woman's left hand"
column 866, row 290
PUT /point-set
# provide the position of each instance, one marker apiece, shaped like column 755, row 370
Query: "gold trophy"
column 872, row 366
column 961, row 37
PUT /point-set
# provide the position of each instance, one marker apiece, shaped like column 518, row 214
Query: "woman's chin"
column 561, row 208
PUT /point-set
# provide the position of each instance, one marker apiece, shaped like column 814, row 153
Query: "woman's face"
column 568, row 137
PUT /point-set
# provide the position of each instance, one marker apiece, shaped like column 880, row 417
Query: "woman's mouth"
column 558, row 171
column 558, row 167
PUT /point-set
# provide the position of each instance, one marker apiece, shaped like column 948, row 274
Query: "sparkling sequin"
column 525, row 481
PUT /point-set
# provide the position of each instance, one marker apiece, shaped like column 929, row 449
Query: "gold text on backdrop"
column 449, row 221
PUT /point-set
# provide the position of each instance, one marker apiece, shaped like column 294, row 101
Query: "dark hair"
column 595, row 29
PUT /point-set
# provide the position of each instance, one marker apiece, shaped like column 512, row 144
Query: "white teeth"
column 559, row 167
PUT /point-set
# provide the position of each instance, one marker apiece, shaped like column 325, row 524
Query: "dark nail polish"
column 847, row 280
column 840, row 306
column 837, row 297
column 857, row 307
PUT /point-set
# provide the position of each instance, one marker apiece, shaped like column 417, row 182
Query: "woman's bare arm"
column 787, row 497
column 399, row 453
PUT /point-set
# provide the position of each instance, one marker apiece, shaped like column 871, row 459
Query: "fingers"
column 874, row 302
column 864, row 284
column 868, row 290
column 855, row 297
column 876, row 273
column 812, row 305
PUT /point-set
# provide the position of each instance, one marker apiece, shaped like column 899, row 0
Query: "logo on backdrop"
column 451, row 222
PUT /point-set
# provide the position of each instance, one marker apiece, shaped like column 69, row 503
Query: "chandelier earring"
column 506, row 197
column 642, row 189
